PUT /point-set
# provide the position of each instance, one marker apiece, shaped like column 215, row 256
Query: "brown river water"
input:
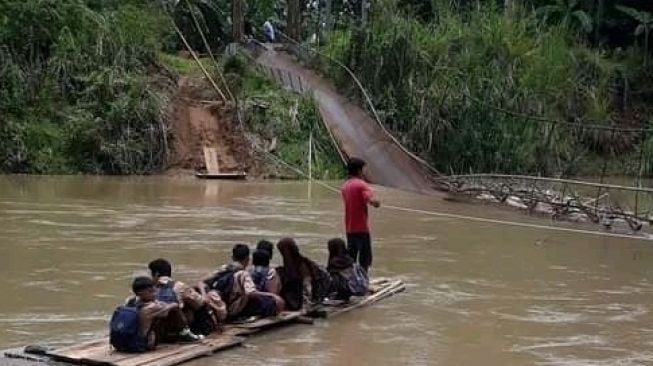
column 478, row 293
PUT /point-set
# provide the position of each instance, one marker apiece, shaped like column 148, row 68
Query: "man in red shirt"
column 357, row 194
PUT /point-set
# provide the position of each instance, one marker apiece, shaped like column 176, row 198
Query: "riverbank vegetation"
column 478, row 87
column 541, row 87
column 283, row 122
column 87, row 86
column 81, row 90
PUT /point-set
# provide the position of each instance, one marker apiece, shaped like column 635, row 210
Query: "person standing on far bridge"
column 268, row 31
column 357, row 194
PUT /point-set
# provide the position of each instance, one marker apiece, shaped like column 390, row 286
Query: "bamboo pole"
column 197, row 60
column 392, row 289
column 208, row 49
column 310, row 165
column 310, row 157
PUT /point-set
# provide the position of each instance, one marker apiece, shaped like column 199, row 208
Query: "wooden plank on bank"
column 213, row 167
column 234, row 175
column 211, row 160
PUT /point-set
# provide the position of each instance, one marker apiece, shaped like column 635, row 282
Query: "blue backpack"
column 260, row 277
column 166, row 292
column 124, row 335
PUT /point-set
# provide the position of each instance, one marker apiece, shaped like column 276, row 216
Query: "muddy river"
column 479, row 293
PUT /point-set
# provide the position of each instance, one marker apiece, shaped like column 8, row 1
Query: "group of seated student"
column 167, row 310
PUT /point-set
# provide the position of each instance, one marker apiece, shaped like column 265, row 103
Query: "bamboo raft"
column 99, row 352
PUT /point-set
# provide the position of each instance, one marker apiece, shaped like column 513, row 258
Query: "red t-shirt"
column 356, row 194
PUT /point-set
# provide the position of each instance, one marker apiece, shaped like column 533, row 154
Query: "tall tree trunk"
column 598, row 20
column 329, row 17
column 318, row 25
column 647, row 29
column 364, row 5
column 507, row 5
column 237, row 20
column 294, row 20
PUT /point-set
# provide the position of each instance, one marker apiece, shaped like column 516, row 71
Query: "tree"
column 213, row 19
column 294, row 21
column 598, row 19
column 237, row 20
column 645, row 20
column 568, row 11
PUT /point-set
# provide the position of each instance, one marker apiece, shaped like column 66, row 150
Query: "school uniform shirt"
column 273, row 282
column 215, row 302
column 356, row 193
column 273, row 285
column 147, row 314
column 186, row 295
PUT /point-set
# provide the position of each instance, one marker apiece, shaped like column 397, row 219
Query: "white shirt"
column 268, row 29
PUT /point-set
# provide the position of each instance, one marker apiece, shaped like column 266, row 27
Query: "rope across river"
column 462, row 217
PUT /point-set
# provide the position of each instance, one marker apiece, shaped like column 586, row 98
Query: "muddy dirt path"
column 196, row 124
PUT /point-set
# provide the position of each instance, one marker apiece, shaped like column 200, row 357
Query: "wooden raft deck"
column 99, row 353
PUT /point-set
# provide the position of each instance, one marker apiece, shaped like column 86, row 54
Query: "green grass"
column 272, row 112
column 180, row 65
column 186, row 66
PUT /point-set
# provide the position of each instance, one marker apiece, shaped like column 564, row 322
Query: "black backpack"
column 223, row 283
column 204, row 321
column 321, row 285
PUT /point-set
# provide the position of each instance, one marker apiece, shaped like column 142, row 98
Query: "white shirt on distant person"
column 268, row 30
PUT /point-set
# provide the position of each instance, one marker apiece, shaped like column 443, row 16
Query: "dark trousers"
column 359, row 246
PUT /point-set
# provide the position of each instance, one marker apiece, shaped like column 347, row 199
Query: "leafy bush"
column 76, row 93
column 448, row 89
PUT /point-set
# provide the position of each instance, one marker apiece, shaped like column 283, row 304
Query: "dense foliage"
column 471, row 85
column 77, row 91
column 478, row 87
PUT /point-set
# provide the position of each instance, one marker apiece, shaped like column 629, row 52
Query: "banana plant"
column 645, row 20
column 568, row 11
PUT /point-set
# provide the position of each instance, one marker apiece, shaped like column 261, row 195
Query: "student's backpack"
column 204, row 321
column 292, row 294
column 321, row 285
column 260, row 277
column 124, row 335
column 165, row 292
column 223, row 282
column 359, row 281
